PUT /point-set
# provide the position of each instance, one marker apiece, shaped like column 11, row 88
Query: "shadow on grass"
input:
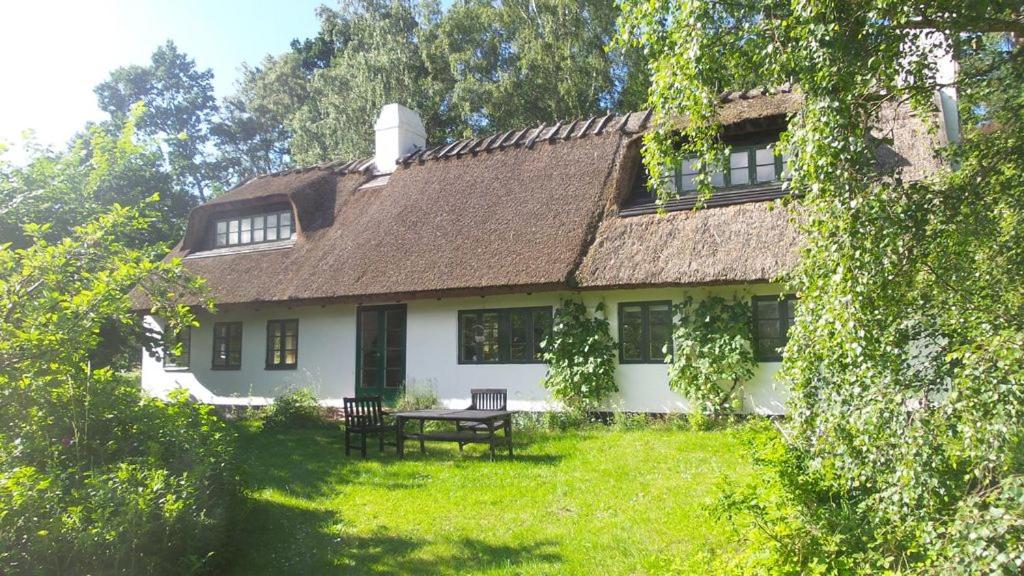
column 275, row 538
column 312, row 463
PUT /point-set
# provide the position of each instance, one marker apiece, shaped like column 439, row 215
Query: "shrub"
column 580, row 354
column 154, row 497
column 713, row 353
column 297, row 409
column 417, row 397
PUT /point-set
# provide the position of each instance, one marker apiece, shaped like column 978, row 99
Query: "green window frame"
column 748, row 166
column 503, row 335
column 645, row 329
column 227, row 346
column 282, row 344
column 772, row 317
column 182, row 360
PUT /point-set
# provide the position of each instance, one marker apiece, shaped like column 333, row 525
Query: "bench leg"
column 508, row 436
column 348, row 442
column 362, row 449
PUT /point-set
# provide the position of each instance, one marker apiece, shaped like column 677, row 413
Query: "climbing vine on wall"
column 580, row 354
column 713, row 353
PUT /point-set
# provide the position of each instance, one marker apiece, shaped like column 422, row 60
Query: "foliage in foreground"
column 94, row 478
column 907, row 359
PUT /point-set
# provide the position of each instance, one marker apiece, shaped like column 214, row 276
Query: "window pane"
column 739, row 176
column 246, row 237
column 764, row 156
column 286, row 218
column 766, row 173
column 631, row 322
column 660, row 322
column 739, row 159
column 469, row 349
column 233, row 232
column 222, row 227
column 766, row 308
column 257, row 235
column 271, row 220
column 246, row 224
column 688, row 166
column 289, row 357
column 286, row 231
column 271, row 233
column 222, row 239
column 718, row 179
column 687, row 183
column 542, row 322
column 518, row 336
column 488, row 331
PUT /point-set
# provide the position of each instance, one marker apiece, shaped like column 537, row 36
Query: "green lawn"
column 594, row 502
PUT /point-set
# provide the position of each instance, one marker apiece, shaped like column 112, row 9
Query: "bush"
column 417, row 397
column 581, row 357
column 297, row 409
column 153, row 498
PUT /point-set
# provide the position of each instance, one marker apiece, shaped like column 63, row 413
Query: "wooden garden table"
column 487, row 417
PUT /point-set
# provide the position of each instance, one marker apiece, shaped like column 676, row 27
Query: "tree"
column 479, row 67
column 378, row 58
column 521, row 63
column 180, row 107
column 252, row 134
column 905, row 361
column 103, row 166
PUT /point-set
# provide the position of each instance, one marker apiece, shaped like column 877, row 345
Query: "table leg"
column 400, row 437
column 508, row 435
column 423, row 449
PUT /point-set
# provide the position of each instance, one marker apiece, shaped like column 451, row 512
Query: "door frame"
column 387, row 396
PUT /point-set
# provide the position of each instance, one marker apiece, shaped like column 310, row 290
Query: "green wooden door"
column 380, row 351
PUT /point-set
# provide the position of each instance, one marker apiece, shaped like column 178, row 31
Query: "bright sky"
column 53, row 52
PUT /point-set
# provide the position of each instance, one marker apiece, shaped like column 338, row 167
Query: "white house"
column 440, row 267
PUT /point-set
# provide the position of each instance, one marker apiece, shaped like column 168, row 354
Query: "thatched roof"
column 534, row 209
column 740, row 243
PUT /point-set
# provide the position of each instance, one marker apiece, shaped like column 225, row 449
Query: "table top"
column 468, row 415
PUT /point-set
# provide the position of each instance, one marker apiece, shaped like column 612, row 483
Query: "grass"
column 590, row 502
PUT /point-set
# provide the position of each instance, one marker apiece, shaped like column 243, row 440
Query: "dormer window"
column 750, row 165
column 254, row 229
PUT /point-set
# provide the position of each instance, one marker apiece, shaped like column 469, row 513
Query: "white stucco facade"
column 327, row 356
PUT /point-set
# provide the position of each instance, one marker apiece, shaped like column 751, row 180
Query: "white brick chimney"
column 399, row 132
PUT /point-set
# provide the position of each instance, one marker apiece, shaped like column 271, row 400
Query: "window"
column 503, row 336
column 182, row 358
column 773, row 315
column 645, row 332
column 748, row 166
column 227, row 345
column 282, row 344
column 253, row 229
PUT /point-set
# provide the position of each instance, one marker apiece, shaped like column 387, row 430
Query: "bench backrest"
column 488, row 399
column 364, row 412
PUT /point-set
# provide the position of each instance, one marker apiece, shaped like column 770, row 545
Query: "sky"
column 53, row 52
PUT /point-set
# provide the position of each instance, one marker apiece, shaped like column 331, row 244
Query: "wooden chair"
column 364, row 416
column 485, row 399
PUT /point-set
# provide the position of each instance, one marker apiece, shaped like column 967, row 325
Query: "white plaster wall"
column 326, row 360
column 327, row 356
